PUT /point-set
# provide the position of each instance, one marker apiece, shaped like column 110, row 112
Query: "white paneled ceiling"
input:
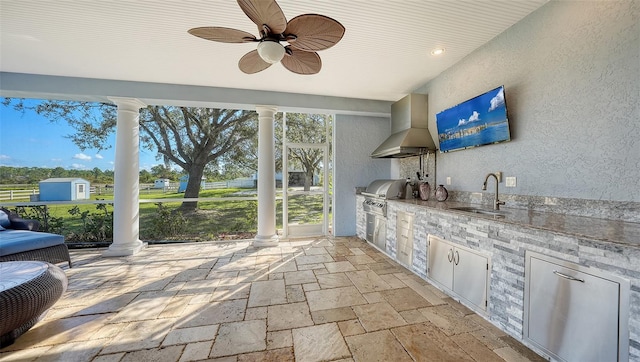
column 384, row 54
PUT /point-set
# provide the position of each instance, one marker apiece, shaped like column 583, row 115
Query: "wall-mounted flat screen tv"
column 479, row 121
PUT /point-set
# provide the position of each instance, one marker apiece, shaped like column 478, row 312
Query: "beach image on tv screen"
column 479, row 121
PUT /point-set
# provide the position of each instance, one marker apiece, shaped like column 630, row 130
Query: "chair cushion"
column 4, row 219
column 17, row 241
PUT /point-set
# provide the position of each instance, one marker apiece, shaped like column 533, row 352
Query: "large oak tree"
column 306, row 128
column 189, row 137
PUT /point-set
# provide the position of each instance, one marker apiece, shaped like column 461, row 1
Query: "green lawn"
column 211, row 221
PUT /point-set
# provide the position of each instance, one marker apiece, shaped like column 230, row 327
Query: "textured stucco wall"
column 571, row 72
column 352, row 165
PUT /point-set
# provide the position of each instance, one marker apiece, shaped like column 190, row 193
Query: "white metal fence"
column 25, row 194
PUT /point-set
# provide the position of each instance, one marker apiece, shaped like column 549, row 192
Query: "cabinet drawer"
column 404, row 252
column 404, row 233
column 404, row 238
column 404, row 220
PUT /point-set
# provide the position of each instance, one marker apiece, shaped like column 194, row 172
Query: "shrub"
column 166, row 222
column 41, row 213
column 95, row 226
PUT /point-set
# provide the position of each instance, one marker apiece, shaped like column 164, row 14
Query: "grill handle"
column 370, row 195
column 562, row 275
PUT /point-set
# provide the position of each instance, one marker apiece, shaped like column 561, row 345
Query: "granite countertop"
column 619, row 232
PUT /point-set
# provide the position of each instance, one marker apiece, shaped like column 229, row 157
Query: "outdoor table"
column 27, row 290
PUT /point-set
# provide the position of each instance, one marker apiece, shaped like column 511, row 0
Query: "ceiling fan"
column 304, row 34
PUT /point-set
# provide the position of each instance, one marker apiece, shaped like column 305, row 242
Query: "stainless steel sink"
column 476, row 210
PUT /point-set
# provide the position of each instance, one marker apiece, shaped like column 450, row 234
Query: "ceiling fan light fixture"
column 271, row 51
column 305, row 34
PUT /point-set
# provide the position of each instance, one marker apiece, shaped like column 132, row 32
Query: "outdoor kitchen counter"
column 606, row 246
column 618, row 232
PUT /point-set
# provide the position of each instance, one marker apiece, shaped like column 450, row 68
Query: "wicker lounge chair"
column 19, row 240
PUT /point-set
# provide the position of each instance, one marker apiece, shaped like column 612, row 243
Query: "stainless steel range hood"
column 409, row 133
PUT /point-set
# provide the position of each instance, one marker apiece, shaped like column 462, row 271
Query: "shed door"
column 81, row 192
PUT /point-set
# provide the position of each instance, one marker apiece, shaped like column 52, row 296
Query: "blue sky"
column 485, row 108
column 29, row 140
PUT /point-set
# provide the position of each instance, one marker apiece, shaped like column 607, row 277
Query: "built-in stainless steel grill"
column 378, row 192
column 375, row 208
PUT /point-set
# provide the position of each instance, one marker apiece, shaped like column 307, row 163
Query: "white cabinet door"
column 460, row 270
column 470, row 276
column 380, row 234
column 370, row 227
column 440, row 262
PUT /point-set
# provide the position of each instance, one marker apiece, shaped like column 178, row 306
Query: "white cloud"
column 78, row 166
column 497, row 101
column 98, row 156
column 475, row 116
column 56, row 159
column 82, row 156
column 5, row 157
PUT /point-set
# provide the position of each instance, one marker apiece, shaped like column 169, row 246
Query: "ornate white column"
column 267, row 235
column 126, row 207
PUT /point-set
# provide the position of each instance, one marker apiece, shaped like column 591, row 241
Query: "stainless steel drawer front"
column 572, row 314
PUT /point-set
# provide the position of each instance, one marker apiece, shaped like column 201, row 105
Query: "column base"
column 124, row 250
column 265, row 241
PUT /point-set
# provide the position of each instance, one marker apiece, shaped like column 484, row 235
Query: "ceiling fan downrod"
column 266, row 34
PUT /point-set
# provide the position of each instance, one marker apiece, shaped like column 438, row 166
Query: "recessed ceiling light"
column 437, row 51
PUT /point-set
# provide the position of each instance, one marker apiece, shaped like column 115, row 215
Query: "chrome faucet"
column 496, row 202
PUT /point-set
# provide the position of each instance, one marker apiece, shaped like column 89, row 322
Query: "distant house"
column 161, row 183
column 184, row 179
column 64, row 189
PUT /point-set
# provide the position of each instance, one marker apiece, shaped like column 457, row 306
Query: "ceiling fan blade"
column 251, row 63
column 302, row 62
column 314, row 32
column 224, row 35
column 265, row 12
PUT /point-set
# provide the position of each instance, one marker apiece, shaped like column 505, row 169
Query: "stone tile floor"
column 320, row 299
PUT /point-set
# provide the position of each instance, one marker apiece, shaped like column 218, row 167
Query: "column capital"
column 266, row 111
column 128, row 104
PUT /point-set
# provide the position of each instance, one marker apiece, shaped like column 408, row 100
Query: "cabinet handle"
column 567, row 276
column 450, row 255
column 456, row 260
